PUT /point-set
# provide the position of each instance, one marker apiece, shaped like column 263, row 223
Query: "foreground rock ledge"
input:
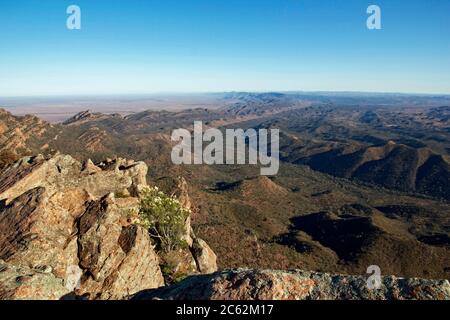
column 243, row 284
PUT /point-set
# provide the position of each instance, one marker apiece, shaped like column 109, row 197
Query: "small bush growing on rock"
column 164, row 217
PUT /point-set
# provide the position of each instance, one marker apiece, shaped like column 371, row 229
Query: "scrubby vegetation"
column 164, row 217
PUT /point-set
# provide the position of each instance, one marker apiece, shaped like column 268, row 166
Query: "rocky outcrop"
column 63, row 174
column 16, row 133
column 81, row 117
column 296, row 285
column 60, row 215
column 74, row 221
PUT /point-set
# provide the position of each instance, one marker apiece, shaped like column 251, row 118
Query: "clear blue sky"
column 145, row 46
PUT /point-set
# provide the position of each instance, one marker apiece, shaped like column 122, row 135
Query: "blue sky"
column 146, row 46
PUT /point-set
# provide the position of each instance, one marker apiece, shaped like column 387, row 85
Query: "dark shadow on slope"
column 346, row 235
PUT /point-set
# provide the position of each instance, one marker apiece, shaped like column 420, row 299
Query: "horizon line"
column 173, row 93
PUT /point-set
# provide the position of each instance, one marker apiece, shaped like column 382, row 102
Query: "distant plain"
column 57, row 109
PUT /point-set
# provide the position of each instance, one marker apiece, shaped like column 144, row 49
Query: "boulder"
column 205, row 258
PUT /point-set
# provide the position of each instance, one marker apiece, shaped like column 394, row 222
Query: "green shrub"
column 164, row 217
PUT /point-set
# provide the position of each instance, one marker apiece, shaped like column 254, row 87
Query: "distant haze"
column 57, row 109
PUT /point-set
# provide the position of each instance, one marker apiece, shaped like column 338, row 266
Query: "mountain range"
column 364, row 180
